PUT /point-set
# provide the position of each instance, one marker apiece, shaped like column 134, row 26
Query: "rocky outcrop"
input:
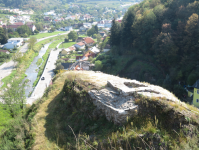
column 116, row 98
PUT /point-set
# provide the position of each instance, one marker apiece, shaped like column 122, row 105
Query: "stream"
column 33, row 69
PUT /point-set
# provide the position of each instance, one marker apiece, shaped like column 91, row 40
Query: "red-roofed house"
column 72, row 48
column 5, row 51
column 80, row 45
column 89, row 41
column 18, row 24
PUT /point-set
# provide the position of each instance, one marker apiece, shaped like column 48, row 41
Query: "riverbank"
column 45, row 57
column 26, row 60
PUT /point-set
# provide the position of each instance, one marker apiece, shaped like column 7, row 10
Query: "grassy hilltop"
column 65, row 119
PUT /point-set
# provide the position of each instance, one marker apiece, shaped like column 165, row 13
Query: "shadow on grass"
column 62, row 114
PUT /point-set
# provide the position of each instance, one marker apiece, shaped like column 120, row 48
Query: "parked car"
column 43, row 78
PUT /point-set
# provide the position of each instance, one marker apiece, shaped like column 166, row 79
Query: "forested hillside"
column 161, row 37
column 37, row 5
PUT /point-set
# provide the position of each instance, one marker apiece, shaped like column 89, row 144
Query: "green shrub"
column 98, row 65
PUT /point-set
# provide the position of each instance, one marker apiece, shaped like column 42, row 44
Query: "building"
column 81, row 65
column 66, row 65
column 80, row 45
column 88, row 41
column 18, row 24
column 196, row 94
column 5, row 51
column 69, row 28
column 13, row 43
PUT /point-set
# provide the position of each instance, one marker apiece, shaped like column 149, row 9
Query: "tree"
column 96, row 29
column 115, row 33
column 14, row 96
column 17, row 57
column 59, row 67
column 3, row 37
column 32, row 42
column 72, row 35
column 98, row 65
column 52, row 29
column 24, row 30
column 99, row 37
column 90, row 32
column 39, row 26
column 36, row 31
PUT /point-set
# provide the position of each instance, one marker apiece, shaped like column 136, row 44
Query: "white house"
column 80, row 45
column 69, row 28
column 10, row 45
column 52, row 12
column 84, row 28
column 13, row 42
column 95, row 50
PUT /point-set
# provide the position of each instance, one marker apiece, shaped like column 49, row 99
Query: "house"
column 10, row 45
column 87, row 55
column 13, row 43
column 66, row 65
column 18, row 24
column 80, row 45
column 87, row 24
column 77, row 25
column 72, row 48
column 108, row 24
column 196, row 94
column 107, row 48
column 94, row 50
column 78, row 58
column 31, row 26
column 103, row 34
column 47, row 19
column 81, row 65
column 69, row 28
column 5, row 51
column 16, row 40
column 46, row 27
column 88, row 41
column 84, row 28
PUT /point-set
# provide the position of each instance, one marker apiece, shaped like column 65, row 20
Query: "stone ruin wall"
column 117, row 102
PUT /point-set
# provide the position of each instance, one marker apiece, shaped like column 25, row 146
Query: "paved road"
column 48, row 74
column 24, row 48
column 6, row 68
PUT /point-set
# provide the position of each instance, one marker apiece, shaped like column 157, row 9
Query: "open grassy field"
column 42, row 35
column 112, row 4
column 66, row 45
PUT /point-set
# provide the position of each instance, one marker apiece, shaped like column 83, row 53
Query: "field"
column 66, row 45
column 42, row 35
column 112, row 4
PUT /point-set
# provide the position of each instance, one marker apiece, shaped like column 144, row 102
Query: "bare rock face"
column 117, row 100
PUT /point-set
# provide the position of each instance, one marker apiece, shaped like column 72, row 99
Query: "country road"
column 48, row 74
column 6, row 68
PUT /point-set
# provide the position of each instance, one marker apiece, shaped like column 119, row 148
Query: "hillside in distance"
column 157, row 42
column 30, row 4
column 42, row 5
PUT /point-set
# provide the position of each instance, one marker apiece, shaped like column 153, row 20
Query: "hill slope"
column 68, row 118
column 160, row 39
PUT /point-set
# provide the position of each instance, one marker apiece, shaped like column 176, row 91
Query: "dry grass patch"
column 39, row 120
